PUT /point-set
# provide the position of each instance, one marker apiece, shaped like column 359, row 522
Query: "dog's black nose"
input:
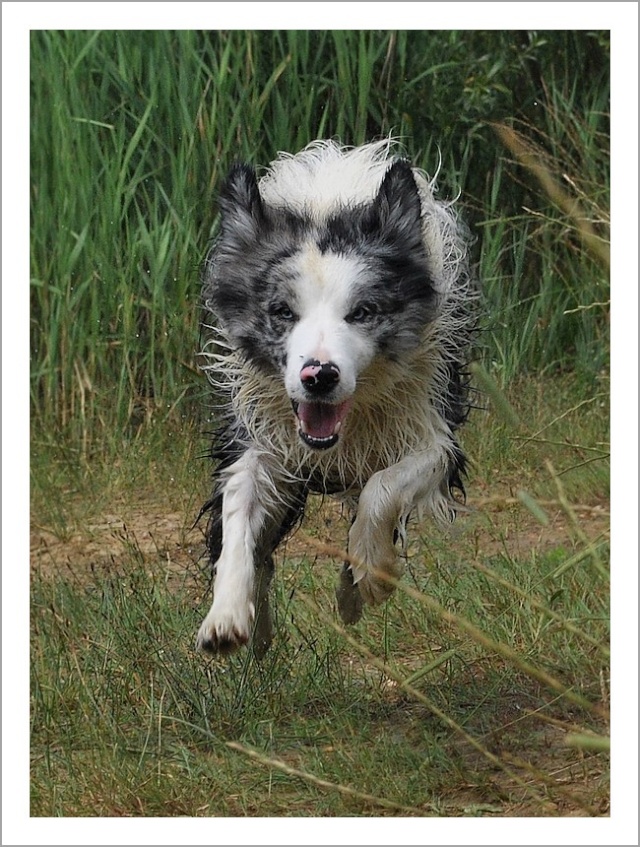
column 319, row 377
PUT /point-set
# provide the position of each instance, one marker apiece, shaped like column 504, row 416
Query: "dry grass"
column 457, row 698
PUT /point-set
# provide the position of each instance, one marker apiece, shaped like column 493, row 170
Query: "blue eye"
column 282, row 311
column 361, row 313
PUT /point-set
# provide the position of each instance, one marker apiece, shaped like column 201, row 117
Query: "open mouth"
column 319, row 424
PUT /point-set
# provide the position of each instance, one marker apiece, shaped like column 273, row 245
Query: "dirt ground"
column 172, row 540
column 145, row 535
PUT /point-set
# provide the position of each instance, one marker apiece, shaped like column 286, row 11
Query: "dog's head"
column 317, row 298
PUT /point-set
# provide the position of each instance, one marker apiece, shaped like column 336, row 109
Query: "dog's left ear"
column 396, row 208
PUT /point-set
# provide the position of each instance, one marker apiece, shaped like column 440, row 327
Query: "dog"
column 339, row 307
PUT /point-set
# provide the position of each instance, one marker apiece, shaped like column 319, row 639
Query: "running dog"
column 339, row 309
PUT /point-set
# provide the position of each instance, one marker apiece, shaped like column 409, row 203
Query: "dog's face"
column 318, row 300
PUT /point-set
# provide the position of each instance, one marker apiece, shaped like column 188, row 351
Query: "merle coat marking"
column 339, row 310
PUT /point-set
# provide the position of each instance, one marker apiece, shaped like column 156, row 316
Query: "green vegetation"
column 132, row 132
column 481, row 688
column 458, row 697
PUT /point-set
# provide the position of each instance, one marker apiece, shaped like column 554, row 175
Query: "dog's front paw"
column 373, row 558
column 225, row 629
column 374, row 588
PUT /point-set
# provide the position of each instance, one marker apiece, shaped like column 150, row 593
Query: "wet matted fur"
column 339, row 312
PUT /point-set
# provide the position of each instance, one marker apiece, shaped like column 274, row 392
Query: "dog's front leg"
column 247, row 505
column 386, row 502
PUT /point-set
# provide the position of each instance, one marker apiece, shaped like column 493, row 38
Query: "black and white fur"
column 339, row 307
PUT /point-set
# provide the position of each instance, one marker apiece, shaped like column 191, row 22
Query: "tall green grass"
column 132, row 131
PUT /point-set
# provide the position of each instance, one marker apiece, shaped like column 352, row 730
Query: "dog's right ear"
column 241, row 204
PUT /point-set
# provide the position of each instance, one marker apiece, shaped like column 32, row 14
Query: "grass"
column 456, row 698
column 132, row 131
column 481, row 688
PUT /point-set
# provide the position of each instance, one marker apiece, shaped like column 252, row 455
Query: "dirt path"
column 146, row 534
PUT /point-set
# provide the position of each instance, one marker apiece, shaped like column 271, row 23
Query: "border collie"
column 339, row 308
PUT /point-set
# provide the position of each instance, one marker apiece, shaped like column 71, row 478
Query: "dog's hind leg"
column 263, row 627
column 348, row 596
column 271, row 537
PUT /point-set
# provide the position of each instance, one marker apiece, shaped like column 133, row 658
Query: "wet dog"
column 339, row 312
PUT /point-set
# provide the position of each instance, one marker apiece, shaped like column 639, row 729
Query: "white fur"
column 394, row 447
column 321, row 333
column 248, row 496
column 336, row 176
column 391, row 407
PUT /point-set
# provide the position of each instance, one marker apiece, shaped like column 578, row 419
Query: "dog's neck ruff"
column 391, row 416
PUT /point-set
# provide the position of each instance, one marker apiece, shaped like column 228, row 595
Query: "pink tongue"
column 321, row 419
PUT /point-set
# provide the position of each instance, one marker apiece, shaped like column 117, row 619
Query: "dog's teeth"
column 337, row 428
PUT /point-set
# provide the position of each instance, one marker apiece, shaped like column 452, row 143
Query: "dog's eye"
column 361, row 313
column 282, row 311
